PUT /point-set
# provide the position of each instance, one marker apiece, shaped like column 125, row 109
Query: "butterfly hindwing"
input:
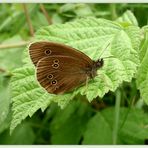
column 59, row 74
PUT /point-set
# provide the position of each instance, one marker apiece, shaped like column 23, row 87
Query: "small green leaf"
column 128, row 18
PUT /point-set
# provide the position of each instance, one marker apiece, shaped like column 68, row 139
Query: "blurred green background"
column 80, row 122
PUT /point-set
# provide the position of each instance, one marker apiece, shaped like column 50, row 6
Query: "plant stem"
column 113, row 11
column 116, row 117
column 45, row 13
column 2, row 70
column 6, row 46
column 28, row 20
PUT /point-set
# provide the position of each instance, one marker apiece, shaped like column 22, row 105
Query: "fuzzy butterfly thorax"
column 92, row 70
column 61, row 68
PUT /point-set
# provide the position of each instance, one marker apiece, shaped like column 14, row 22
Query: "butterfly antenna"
column 109, row 57
column 104, row 50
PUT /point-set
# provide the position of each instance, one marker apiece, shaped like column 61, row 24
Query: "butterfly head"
column 99, row 63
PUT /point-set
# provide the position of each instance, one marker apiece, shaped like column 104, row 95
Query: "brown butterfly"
column 61, row 68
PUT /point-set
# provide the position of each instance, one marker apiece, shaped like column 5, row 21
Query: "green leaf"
column 142, row 75
column 40, row 20
column 128, row 18
column 6, row 123
column 83, row 10
column 132, row 127
column 23, row 134
column 56, row 19
column 76, row 10
column 69, row 124
column 98, row 131
column 11, row 24
column 89, row 36
column 4, row 102
column 93, row 38
column 134, row 34
column 15, row 54
column 135, row 129
column 24, row 101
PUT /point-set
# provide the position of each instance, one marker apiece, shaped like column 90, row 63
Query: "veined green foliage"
column 132, row 127
column 128, row 18
column 90, row 36
column 142, row 75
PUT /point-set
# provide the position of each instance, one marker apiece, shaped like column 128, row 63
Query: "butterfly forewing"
column 59, row 74
column 39, row 50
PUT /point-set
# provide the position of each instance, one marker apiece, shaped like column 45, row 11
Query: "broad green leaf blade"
column 76, row 10
column 132, row 128
column 11, row 23
column 28, row 96
column 23, row 86
column 98, row 131
column 4, row 103
column 23, row 134
column 69, row 124
column 115, row 70
column 128, row 18
column 134, row 33
column 142, row 75
column 6, row 123
column 11, row 58
column 80, row 35
column 90, row 36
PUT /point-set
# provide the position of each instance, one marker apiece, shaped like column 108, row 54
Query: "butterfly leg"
column 86, row 86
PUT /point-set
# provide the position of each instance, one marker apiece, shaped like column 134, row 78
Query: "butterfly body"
column 92, row 70
column 61, row 68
